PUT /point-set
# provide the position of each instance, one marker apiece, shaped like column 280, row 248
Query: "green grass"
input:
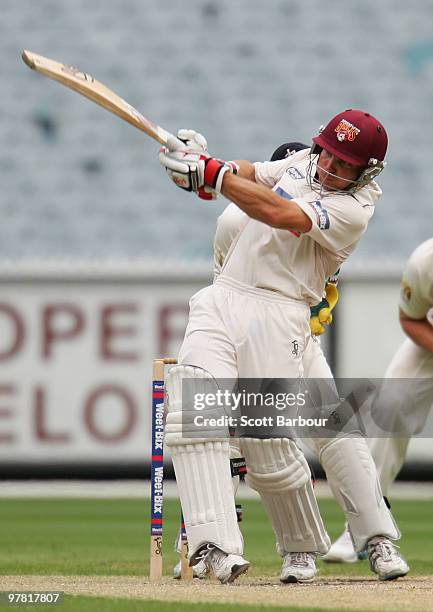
column 111, row 537
column 104, row 604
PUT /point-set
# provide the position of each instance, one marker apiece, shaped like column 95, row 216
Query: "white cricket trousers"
column 235, row 330
column 389, row 453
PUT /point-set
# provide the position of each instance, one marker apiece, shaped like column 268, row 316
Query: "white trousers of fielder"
column 350, row 469
column 411, row 408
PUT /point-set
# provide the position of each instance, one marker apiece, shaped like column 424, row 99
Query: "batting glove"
column 197, row 142
column 193, row 140
column 194, row 171
column 321, row 314
column 185, row 168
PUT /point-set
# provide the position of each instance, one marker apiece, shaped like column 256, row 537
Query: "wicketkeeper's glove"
column 321, row 314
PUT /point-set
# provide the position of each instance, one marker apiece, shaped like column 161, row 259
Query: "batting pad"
column 203, row 474
column 352, row 476
column 205, row 489
column 180, row 418
column 279, row 472
column 234, row 453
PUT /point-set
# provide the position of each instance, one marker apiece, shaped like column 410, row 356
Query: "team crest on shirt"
column 346, row 131
column 406, row 291
column 322, row 215
column 294, row 173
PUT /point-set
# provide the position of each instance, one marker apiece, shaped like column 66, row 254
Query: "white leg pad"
column 279, row 472
column 202, row 469
column 180, row 418
column 234, row 453
column 205, row 489
column 352, row 476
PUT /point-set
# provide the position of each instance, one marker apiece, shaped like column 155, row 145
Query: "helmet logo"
column 346, row 131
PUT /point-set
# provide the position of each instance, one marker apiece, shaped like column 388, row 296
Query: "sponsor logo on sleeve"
column 279, row 191
column 283, row 193
column 321, row 215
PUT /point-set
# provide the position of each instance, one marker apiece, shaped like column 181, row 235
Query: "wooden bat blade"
column 89, row 87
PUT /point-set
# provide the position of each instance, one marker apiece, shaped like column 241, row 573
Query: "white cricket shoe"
column 198, row 571
column 226, row 567
column 342, row 550
column 298, row 567
column 385, row 560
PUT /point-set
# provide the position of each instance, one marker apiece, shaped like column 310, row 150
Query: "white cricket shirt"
column 416, row 296
column 293, row 264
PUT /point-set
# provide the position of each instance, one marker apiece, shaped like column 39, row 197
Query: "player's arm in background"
column 419, row 331
column 229, row 224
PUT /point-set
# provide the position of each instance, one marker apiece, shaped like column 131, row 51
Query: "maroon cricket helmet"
column 355, row 137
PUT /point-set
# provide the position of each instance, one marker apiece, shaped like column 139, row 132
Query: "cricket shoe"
column 343, row 551
column 298, row 567
column 385, row 560
column 226, row 567
column 198, row 571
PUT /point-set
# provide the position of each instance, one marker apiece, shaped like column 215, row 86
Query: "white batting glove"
column 197, row 142
column 185, row 168
column 193, row 140
column 196, row 172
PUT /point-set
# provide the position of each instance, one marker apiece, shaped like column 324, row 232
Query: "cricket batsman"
column 306, row 215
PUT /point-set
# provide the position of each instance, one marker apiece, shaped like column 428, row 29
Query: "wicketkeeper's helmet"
column 287, row 149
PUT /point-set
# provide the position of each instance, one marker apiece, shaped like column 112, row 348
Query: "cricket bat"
column 86, row 85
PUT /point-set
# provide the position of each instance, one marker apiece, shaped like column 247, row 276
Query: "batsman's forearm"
column 262, row 204
column 419, row 331
column 246, row 169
